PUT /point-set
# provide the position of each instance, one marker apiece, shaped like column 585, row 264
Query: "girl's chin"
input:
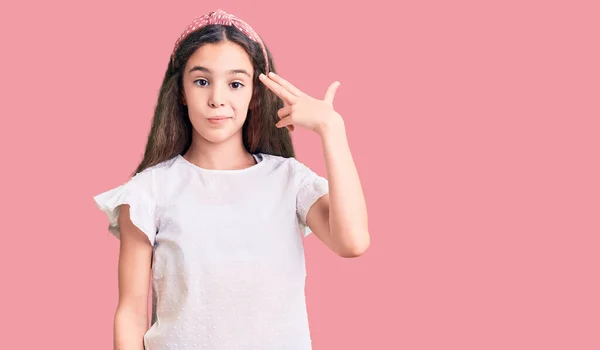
column 218, row 134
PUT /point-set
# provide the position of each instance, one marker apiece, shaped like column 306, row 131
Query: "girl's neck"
column 228, row 155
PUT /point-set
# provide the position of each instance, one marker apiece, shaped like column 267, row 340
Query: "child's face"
column 217, row 88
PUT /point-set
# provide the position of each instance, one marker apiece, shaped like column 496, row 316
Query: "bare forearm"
column 129, row 330
column 347, row 209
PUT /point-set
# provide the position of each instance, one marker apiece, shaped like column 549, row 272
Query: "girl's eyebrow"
column 206, row 70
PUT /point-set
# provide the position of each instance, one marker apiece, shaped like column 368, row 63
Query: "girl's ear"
column 182, row 99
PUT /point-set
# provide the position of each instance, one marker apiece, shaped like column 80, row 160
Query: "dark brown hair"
column 171, row 130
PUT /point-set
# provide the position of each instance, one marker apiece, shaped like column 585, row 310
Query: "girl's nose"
column 216, row 99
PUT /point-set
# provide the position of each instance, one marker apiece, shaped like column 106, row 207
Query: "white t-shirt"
column 228, row 269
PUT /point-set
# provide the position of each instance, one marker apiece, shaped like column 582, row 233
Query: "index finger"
column 286, row 84
column 277, row 89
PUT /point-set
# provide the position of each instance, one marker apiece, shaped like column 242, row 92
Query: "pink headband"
column 221, row 17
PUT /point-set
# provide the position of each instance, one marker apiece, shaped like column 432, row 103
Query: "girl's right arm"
column 131, row 316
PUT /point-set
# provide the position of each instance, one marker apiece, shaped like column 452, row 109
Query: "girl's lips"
column 218, row 120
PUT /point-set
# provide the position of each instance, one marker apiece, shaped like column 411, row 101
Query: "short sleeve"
column 138, row 194
column 311, row 187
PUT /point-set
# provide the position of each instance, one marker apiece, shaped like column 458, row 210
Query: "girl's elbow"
column 355, row 249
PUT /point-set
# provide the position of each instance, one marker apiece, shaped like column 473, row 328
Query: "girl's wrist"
column 331, row 125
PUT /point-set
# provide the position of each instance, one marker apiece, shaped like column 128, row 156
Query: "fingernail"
column 271, row 73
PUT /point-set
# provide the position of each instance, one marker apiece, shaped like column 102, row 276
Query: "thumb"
column 330, row 94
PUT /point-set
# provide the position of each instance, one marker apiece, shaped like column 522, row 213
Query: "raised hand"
column 300, row 108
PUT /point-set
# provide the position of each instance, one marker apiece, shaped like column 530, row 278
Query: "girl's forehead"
column 221, row 57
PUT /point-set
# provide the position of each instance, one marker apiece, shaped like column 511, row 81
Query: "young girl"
column 216, row 208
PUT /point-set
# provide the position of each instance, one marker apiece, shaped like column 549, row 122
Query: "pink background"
column 474, row 126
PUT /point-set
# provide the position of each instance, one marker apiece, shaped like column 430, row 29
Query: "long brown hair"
column 171, row 130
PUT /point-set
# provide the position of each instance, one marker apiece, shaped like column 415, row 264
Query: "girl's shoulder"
column 143, row 184
column 291, row 163
column 151, row 176
column 296, row 171
column 140, row 192
column 296, row 167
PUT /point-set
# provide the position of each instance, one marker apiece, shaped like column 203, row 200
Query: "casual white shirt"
column 228, row 268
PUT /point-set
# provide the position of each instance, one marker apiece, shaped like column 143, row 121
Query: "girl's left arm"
column 339, row 218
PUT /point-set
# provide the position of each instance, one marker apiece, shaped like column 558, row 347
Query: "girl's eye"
column 203, row 82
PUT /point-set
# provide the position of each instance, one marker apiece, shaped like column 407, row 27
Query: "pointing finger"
column 277, row 89
column 286, row 84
